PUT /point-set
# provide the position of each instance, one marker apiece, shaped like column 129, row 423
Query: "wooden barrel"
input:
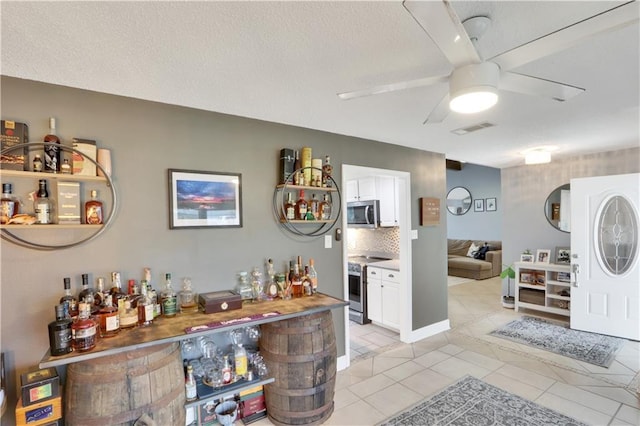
column 119, row 389
column 301, row 355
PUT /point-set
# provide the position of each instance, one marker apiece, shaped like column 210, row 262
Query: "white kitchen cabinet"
column 362, row 189
column 387, row 192
column 383, row 296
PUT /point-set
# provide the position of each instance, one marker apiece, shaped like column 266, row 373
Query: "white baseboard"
column 428, row 331
column 342, row 362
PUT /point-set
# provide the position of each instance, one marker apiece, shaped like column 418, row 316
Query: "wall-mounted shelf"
column 25, row 235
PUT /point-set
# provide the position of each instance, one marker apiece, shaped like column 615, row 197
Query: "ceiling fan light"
column 475, row 99
column 474, row 87
column 537, row 157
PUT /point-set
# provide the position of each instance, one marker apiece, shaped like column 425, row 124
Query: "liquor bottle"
column 188, row 302
column 227, row 375
column 128, row 315
column 306, row 282
column 60, row 333
column 65, row 167
column 152, row 293
column 68, row 300
column 290, row 207
column 314, row 207
column 145, row 306
column 325, row 208
column 190, row 385
column 118, row 296
column 37, row 163
column 301, row 207
column 100, row 293
column 240, row 358
column 327, row 169
column 93, row 212
column 169, row 299
column 313, row 277
column 9, row 205
column 305, row 160
column 52, row 149
column 87, row 294
column 271, row 287
column 42, row 205
column 109, row 319
column 297, row 177
column 83, row 330
column 296, row 282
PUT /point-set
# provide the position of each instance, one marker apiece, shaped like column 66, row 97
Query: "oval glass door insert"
column 617, row 235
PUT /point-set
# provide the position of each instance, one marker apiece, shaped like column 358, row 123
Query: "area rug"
column 474, row 402
column 593, row 348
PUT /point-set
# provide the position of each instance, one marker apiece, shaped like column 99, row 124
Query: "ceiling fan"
column 474, row 82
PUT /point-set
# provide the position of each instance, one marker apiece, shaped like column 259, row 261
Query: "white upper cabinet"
column 382, row 188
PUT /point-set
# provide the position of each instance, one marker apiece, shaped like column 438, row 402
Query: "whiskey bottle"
column 306, row 282
column 327, row 169
column 93, row 210
column 87, row 295
column 325, row 208
column 169, row 299
column 109, row 319
column 117, row 295
column 52, row 149
column 152, row 293
column 42, row 205
column 301, row 207
column 296, row 282
column 37, row 163
column 65, row 167
column 290, row 207
column 188, row 302
column 100, row 293
column 297, row 177
column 9, row 205
column 313, row 277
column 69, row 302
column 83, row 330
column 145, row 306
column 314, row 207
column 60, row 333
column 128, row 315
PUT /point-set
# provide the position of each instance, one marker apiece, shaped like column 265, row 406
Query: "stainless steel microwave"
column 363, row 214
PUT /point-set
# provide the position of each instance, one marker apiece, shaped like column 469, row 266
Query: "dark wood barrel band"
column 127, row 416
column 274, row 411
column 300, row 392
column 331, row 350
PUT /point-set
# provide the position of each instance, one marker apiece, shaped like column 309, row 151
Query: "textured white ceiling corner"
column 286, row 61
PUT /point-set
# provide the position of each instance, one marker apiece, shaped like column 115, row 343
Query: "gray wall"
column 526, row 188
column 148, row 138
column 482, row 182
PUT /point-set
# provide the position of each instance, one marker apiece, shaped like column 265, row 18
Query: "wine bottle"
column 52, row 149
column 42, row 205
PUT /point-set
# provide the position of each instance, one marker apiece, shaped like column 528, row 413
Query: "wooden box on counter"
column 219, row 301
column 41, row 413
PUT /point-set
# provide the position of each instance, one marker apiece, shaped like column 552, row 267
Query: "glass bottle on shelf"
column 325, row 208
column 313, row 277
column 168, row 299
column 301, row 207
column 240, row 358
column 83, row 330
column 256, row 285
column 99, row 295
column 297, row 177
column 43, row 205
column 290, row 207
column 188, row 302
column 87, row 294
column 314, row 207
column 327, row 169
column 60, row 333
column 37, row 163
column 145, row 306
column 227, row 374
column 9, row 205
column 65, row 167
column 152, row 293
column 116, row 292
column 52, row 149
column 69, row 300
column 190, row 385
column 109, row 319
column 271, row 287
column 296, row 282
column 243, row 286
column 128, row 315
column 93, row 212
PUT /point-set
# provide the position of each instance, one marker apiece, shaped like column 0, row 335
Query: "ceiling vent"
column 474, row 128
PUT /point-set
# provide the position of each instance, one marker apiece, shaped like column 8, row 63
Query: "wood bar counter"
column 166, row 330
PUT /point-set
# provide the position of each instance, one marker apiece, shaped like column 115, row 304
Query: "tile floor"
column 387, row 376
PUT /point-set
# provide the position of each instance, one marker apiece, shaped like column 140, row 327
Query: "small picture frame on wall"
column 491, row 205
column 478, row 205
column 543, row 255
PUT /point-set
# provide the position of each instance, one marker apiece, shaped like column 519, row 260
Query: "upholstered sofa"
column 461, row 265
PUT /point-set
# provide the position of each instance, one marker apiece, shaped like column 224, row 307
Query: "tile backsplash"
column 362, row 241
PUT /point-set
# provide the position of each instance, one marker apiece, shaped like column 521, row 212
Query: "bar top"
column 164, row 330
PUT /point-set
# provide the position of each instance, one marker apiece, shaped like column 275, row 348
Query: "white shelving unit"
column 543, row 287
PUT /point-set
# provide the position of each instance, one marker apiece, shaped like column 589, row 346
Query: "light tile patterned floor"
column 387, row 376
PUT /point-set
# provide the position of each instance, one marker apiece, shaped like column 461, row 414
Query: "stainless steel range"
column 357, row 267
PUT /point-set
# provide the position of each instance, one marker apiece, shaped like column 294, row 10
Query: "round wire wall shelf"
column 7, row 232
column 307, row 228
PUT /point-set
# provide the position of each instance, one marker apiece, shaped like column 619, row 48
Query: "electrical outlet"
column 327, row 241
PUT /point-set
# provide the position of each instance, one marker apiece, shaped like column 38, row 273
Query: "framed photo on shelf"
column 527, row 278
column 491, row 205
column 478, row 205
column 526, row 258
column 543, row 255
column 200, row 199
column 563, row 255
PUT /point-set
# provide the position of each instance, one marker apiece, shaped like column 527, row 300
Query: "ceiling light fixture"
column 537, row 156
column 474, row 87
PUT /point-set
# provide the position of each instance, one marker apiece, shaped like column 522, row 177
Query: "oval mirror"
column 557, row 208
column 458, row 200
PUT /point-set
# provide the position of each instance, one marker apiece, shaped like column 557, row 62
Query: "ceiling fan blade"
column 442, row 25
column 440, row 112
column 376, row 90
column 528, row 85
column 610, row 20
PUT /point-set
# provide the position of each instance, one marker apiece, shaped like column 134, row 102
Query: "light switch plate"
column 414, row 234
column 327, row 241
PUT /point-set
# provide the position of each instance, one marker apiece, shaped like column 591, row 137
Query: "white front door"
column 605, row 294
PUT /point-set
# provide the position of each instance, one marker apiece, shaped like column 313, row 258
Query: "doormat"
column 474, row 402
column 593, row 348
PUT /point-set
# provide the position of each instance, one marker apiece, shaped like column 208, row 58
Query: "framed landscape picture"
column 199, row 199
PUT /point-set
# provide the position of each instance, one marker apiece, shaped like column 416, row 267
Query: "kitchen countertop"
column 393, row 264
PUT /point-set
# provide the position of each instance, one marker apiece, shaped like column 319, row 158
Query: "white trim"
column 428, row 331
column 343, row 362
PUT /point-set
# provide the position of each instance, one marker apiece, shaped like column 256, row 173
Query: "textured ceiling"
column 286, row 61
